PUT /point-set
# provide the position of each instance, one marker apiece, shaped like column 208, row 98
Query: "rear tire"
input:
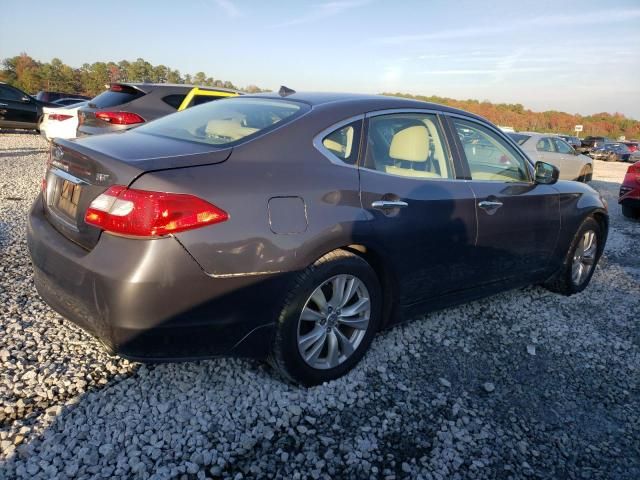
column 629, row 212
column 580, row 261
column 315, row 321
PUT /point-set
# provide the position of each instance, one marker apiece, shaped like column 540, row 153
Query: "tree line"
column 90, row 79
column 522, row 119
column 32, row 76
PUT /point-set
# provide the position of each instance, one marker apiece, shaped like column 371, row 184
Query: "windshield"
column 519, row 138
column 225, row 122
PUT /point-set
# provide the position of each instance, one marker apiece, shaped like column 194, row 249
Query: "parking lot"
column 525, row 384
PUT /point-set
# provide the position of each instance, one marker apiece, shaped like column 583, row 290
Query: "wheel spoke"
column 333, row 355
column 588, row 260
column 348, row 292
column 356, row 308
column 310, row 338
column 311, row 315
column 346, row 347
column 338, row 291
column 320, row 300
column 357, row 323
column 314, row 352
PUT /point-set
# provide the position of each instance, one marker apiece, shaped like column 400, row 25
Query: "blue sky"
column 575, row 56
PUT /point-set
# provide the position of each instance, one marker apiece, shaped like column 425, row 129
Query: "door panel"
column 422, row 218
column 518, row 220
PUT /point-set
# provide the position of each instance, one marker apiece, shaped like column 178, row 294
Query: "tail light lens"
column 59, row 117
column 142, row 213
column 120, row 118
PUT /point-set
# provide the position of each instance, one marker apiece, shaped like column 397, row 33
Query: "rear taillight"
column 59, row 117
column 120, row 118
column 142, row 213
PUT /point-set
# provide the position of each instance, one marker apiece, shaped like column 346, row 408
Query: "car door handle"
column 387, row 204
column 490, row 204
column 4, row 104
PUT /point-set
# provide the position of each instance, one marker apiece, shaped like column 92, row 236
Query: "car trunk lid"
column 80, row 171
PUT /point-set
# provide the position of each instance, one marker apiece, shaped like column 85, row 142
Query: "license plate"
column 68, row 198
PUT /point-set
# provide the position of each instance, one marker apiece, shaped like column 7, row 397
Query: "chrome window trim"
column 505, row 137
column 332, row 157
column 67, row 176
column 436, row 113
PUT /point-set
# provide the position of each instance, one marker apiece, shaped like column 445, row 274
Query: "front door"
column 518, row 220
column 423, row 218
column 15, row 111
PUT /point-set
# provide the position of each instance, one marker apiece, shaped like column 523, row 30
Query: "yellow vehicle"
column 200, row 95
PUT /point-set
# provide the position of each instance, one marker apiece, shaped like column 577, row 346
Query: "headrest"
column 410, row 144
column 228, row 128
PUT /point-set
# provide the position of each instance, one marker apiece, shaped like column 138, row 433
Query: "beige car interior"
column 340, row 142
column 229, row 129
column 417, row 152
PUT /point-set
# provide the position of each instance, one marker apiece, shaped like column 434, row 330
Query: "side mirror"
column 546, row 174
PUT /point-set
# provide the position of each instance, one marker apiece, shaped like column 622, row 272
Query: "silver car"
column 554, row 150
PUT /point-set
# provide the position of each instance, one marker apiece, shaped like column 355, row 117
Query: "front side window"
column 562, row 146
column 225, row 123
column 408, row 145
column 343, row 142
column 490, row 157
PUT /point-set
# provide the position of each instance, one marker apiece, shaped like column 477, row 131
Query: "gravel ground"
column 526, row 384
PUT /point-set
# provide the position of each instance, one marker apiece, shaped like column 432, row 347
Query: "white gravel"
column 526, row 384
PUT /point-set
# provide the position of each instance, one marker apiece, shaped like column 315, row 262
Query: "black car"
column 294, row 227
column 127, row 105
column 20, row 110
column 589, row 143
column 52, row 97
column 611, row 152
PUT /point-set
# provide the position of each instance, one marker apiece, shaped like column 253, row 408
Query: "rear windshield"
column 116, row 95
column 519, row 138
column 225, row 122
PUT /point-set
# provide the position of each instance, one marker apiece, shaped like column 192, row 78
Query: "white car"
column 554, row 150
column 60, row 122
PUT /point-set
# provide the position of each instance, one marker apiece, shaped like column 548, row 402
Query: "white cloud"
column 228, row 7
column 324, row 10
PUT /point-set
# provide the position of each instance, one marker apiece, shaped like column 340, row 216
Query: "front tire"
column 580, row 261
column 328, row 319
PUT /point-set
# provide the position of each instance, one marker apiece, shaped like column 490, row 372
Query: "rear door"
column 16, row 108
column 571, row 166
column 422, row 215
column 518, row 220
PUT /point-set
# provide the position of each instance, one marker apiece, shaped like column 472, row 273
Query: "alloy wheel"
column 333, row 322
column 584, row 257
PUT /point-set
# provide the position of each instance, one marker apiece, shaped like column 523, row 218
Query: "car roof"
column 147, row 87
column 366, row 102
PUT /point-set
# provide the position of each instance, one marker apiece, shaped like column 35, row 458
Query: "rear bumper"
column 86, row 130
column 148, row 299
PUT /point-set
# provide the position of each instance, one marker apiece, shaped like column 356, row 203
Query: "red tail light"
column 59, row 117
column 120, row 118
column 142, row 213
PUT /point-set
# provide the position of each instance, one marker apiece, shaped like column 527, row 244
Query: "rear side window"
column 202, row 99
column 545, row 145
column 116, row 95
column 343, row 142
column 173, row 100
column 408, row 145
column 490, row 158
column 225, row 123
column 562, row 146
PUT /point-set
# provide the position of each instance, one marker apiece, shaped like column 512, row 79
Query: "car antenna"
column 285, row 91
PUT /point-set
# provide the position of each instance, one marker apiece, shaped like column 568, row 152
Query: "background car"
column 200, row 95
column 51, row 97
column 611, row 152
column 629, row 197
column 20, row 110
column 64, row 102
column 589, row 143
column 60, row 122
column 554, row 150
column 295, row 227
column 127, row 105
column 632, row 146
column 575, row 142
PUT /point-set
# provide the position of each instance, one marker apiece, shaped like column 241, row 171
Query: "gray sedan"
column 554, row 150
